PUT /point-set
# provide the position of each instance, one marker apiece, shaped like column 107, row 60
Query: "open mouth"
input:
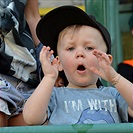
column 81, row 68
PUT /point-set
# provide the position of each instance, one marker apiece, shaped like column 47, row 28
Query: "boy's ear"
column 110, row 57
column 60, row 65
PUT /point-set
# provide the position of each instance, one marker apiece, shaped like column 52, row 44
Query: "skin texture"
column 82, row 56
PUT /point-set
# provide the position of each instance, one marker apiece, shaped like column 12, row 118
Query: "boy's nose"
column 80, row 54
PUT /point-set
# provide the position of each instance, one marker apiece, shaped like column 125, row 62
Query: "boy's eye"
column 89, row 48
column 71, row 48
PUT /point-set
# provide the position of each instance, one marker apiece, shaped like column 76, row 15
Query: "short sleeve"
column 52, row 104
column 122, row 108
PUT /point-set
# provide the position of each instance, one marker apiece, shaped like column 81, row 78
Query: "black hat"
column 59, row 18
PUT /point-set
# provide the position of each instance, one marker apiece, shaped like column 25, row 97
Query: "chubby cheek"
column 67, row 61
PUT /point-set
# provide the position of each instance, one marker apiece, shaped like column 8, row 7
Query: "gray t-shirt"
column 85, row 106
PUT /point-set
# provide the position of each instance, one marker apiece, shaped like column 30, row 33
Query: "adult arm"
column 32, row 17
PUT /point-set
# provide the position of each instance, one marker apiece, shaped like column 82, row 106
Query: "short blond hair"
column 72, row 28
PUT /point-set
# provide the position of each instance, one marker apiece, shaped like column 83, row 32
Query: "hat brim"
column 59, row 18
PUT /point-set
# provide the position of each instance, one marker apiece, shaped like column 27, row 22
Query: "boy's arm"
column 125, row 88
column 108, row 73
column 35, row 109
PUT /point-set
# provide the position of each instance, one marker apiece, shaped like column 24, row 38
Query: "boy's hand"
column 105, row 71
column 49, row 68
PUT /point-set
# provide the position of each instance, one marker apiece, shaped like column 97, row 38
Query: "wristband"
column 117, row 80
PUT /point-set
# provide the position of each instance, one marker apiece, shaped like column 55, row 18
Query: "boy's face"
column 75, row 53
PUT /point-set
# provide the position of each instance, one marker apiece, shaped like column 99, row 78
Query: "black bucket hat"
column 59, row 18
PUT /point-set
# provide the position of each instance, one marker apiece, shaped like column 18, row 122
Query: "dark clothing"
column 126, row 70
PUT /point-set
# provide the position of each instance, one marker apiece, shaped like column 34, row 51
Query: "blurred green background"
column 127, row 44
